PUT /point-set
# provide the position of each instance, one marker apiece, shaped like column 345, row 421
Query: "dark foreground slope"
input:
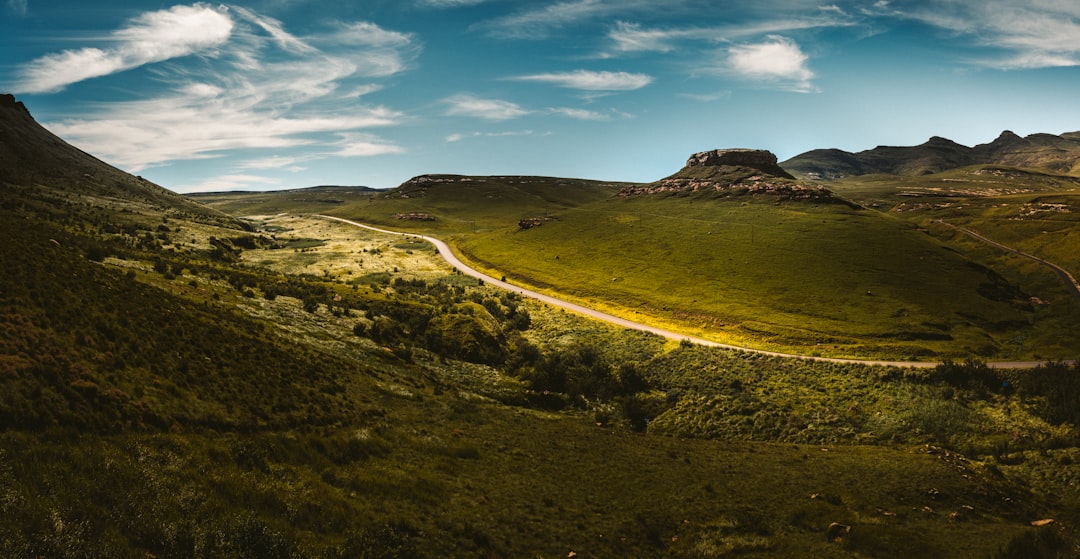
column 159, row 397
column 37, row 163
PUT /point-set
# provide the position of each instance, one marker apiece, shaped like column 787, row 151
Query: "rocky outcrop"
column 762, row 160
column 727, row 173
column 530, row 222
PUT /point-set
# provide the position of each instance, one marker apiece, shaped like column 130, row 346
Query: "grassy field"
column 795, row 278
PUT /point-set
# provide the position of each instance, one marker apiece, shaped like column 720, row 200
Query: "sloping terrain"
column 37, row 163
column 171, row 386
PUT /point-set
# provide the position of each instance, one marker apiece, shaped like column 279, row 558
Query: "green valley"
column 229, row 375
column 812, row 276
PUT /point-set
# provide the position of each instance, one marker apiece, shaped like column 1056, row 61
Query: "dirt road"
column 446, row 253
column 1064, row 274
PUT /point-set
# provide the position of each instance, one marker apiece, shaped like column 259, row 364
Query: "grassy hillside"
column 1029, row 210
column 822, row 279
column 191, row 414
column 812, row 280
column 191, row 385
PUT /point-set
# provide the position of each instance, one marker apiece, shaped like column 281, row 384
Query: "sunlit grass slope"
column 811, row 279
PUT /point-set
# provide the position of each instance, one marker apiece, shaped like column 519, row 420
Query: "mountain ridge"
column 1056, row 153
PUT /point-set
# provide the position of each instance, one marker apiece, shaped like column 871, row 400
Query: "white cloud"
column 382, row 52
column 1038, row 34
column 580, row 114
column 632, row 37
column 488, row 109
column 284, row 39
column 369, row 34
column 143, row 134
column 234, row 182
column 264, row 88
column 777, row 60
column 592, row 81
column 706, row 97
column 275, row 162
column 362, row 90
column 150, row 37
column 366, row 145
column 459, row 137
column 537, row 23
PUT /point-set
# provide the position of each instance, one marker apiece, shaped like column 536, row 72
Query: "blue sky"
column 269, row 94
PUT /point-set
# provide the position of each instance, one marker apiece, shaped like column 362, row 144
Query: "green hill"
column 174, row 383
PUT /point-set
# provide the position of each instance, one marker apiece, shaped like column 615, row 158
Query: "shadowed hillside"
column 38, row 163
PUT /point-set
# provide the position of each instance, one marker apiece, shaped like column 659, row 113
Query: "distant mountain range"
column 1059, row 154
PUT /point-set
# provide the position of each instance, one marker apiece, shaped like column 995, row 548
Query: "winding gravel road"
column 448, row 255
column 1066, row 277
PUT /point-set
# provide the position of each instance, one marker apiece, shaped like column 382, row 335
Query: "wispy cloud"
column 142, row 134
column 366, row 145
column 583, row 114
column 538, row 23
column 1034, row 34
column 630, row 37
column 591, row 81
column 239, row 181
column 18, row 7
column 488, row 109
column 706, row 97
column 506, row 134
column 150, row 37
column 289, row 163
column 263, row 88
column 778, row 60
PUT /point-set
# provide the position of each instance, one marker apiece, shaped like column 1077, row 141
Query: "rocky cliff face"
column 725, row 173
column 762, row 160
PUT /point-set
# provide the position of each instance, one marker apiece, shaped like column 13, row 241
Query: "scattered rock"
column 415, row 216
column 530, row 222
column 837, row 532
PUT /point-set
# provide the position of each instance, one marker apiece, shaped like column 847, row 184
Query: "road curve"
column 1070, row 281
column 452, row 259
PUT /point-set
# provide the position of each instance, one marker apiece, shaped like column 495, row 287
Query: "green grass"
column 796, row 278
column 238, row 425
column 175, row 383
column 811, row 279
